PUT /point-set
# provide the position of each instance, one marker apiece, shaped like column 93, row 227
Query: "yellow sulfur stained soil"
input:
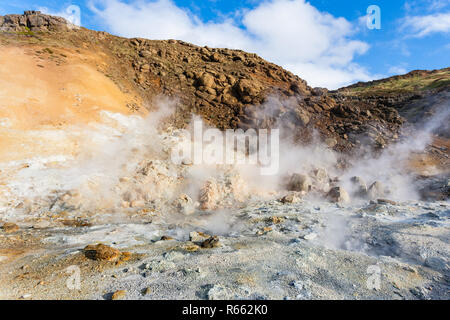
column 44, row 91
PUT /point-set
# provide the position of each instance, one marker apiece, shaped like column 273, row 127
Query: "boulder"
column 101, row 252
column 376, row 191
column 184, row 204
column 338, row 195
column 209, row 195
column 247, row 88
column 206, row 80
column 359, row 187
column 320, row 175
column 303, row 116
column 195, row 236
column 299, row 182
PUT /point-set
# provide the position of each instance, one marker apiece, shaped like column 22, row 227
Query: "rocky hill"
column 228, row 88
column 416, row 95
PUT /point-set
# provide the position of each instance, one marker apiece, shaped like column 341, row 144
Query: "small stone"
column 184, row 204
column 198, row 236
column 101, row 252
column 386, row 201
column 206, row 80
column 212, row 242
column 331, row 142
column 264, row 231
column 219, row 292
column 10, row 227
column 310, row 236
column 376, row 190
column 275, row 220
column 119, row 295
column 41, row 225
column 290, row 198
column 191, row 247
column 147, row 291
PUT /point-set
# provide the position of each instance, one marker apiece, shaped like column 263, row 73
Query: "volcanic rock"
column 211, row 242
column 102, row 252
column 338, row 195
column 359, row 187
column 299, row 182
column 376, row 191
column 10, row 227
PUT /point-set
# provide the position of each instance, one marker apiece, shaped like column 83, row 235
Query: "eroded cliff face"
column 33, row 21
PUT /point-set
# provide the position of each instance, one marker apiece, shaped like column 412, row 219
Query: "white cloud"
column 71, row 13
column 315, row 45
column 421, row 26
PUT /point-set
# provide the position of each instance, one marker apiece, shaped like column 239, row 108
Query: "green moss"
column 27, row 32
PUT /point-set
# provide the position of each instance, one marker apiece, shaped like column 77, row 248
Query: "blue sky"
column 326, row 42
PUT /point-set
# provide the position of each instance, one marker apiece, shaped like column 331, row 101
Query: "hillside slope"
column 73, row 74
column 228, row 88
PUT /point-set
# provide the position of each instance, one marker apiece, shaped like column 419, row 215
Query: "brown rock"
column 247, row 88
column 303, row 116
column 101, row 252
column 215, row 57
column 10, row 227
column 198, row 236
column 338, row 195
column 299, row 182
column 119, row 295
column 212, row 242
column 291, row 198
column 387, row 201
column 206, row 80
column 275, row 220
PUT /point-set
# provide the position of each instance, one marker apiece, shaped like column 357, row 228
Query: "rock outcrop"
column 32, row 21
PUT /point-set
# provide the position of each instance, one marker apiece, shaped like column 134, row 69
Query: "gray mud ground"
column 315, row 251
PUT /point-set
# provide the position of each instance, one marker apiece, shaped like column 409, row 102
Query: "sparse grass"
column 27, row 32
column 404, row 84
